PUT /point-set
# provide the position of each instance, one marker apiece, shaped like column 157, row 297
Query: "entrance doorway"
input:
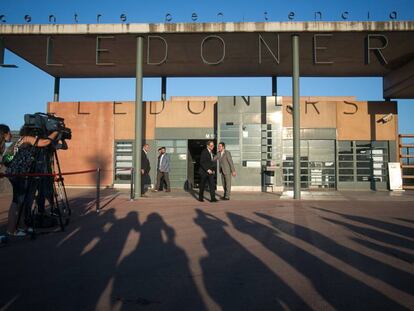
column 195, row 146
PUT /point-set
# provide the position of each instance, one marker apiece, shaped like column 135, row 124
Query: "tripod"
column 39, row 188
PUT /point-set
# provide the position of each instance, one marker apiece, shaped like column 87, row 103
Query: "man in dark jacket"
column 145, row 169
column 207, row 171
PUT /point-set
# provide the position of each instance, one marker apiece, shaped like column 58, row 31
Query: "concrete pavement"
column 344, row 251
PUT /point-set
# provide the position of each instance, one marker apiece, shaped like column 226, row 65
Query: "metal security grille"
column 317, row 164
column 271, row 145
column 123, row 161
column 363, row 164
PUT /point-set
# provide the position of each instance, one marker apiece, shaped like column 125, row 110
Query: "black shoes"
column 201, row 200
column 214, row 201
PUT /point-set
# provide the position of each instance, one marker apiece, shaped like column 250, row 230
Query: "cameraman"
column 23, row 162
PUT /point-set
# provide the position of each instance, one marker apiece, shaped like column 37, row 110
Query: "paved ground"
column 344, row 251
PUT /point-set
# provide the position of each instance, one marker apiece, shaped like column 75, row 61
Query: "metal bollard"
column 132, row 195
column 98, row 188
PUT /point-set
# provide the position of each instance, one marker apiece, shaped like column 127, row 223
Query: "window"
column 123, row 161
column 362, row 161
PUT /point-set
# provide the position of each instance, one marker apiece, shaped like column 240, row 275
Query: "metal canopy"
column 337, row 49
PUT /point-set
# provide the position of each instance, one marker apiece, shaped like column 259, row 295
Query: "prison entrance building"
column 339, row 143
column 345, row 143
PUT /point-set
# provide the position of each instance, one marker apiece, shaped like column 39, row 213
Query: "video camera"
column 43, row 124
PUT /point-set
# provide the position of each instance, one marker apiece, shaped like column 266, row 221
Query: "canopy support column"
column 163, row 88
column 138, row 116
column 296, row 115
column 274, row 86
column 56, row 92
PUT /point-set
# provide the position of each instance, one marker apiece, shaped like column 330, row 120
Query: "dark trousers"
column 166, row 177
column 211, row 185
column 45, row 191
column 145, row 181
column 20, row 197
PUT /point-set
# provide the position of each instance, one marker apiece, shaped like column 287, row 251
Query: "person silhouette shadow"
column 97, row 261
column 156, row 273
column 235, row 278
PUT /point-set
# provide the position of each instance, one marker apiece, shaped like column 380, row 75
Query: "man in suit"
column 145, row 169
column 207, row 170
column 163, row 169
column 227, row 169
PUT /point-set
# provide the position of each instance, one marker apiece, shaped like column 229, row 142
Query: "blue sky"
column 27, row 89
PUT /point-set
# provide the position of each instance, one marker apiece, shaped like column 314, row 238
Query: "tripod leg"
column 63, row 201
column 18, row 186
column 62, row 185
column 58, row 208
column 33, row 213
column 19, row 208
column 27, row 206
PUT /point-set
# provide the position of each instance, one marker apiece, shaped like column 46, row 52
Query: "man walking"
column 207, row 170
column 145, row 169
column 163, row 169
column 227, row 169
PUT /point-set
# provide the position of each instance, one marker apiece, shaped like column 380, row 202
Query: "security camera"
column 386, row 118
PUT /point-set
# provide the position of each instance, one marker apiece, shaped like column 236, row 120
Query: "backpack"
column 23, row 159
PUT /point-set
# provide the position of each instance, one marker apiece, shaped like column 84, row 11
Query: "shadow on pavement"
column 368, row 265
column 411, row 221
column 156, row 272
column 237, row 280
column 379, row 224
column 386, row 250
column 340, row 290
column 378, row 236
column 67, row 270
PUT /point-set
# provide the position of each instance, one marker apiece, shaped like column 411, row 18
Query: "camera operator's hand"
column 40, row 142
column 142, row 172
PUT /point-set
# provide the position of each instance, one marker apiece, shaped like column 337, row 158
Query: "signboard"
column 394, row 171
